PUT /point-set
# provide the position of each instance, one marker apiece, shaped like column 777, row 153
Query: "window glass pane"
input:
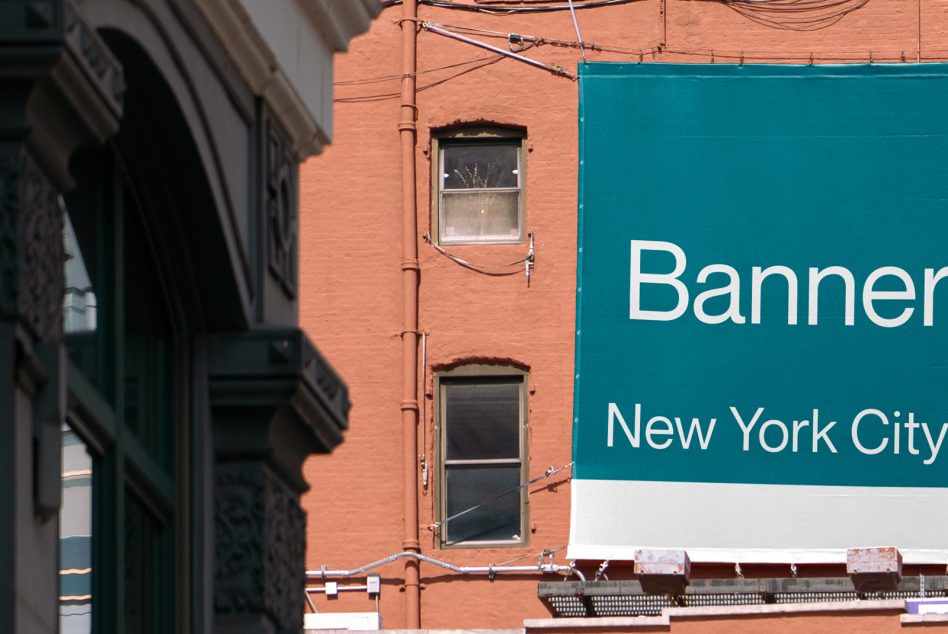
column 148, row 379
column 89, row 299
column 479, row 166
column 149, row 598
column 149, row 396
column 482, row 420
column 79, row 304
column 75, row 537
column 480, row 216
column 498, row 519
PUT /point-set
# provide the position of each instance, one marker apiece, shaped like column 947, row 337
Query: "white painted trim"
column 596, row 622
column 913, row 619
column 754, row 523
column 361, row 621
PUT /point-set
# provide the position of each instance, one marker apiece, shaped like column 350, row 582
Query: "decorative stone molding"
column 274, row 401
column 282, row 208
column 238, row 540
column 260, row 543
column 43, row 282
column 275, row 377
column 30, row 19
column 95, row 59
column 31, row 247
column 32, row 283
column 285, row 557
column 67, row 89
column 9, row 232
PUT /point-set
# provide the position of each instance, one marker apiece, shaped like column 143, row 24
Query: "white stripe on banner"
column 754, row 523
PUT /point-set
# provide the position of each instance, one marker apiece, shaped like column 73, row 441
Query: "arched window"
column 127, row 360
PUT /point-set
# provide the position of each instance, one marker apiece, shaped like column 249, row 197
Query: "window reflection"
column 482, row 460
column 480, row 191
column 75, row 537
column 79, row 304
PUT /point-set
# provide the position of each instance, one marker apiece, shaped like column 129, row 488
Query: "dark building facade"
column 158, row 398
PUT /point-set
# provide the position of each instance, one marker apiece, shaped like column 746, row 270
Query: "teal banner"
column 762, row 284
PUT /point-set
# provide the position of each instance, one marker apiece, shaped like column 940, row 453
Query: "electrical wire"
column 480, row 268
column 484, row 61
column 795, row 15
column 549, row 473
column 531, row 41
column 489, row 62
column 493, row 59
column 423, row 456
column 539, row 40
column 784, row 14
column 495, row 10
column 437, row 29
column 504, row 35
column 931, row 55
column 518, row 38
column 383, row 78
column 491, row 570
column 546, row 552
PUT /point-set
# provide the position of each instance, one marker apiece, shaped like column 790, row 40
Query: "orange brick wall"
column 351, row 280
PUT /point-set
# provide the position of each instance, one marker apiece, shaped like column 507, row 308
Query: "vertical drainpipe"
column 410, row 278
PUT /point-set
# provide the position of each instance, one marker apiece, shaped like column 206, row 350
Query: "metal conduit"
column 410, row 278
column 490, row 569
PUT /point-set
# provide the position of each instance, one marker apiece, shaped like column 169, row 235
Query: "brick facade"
column 350, row 275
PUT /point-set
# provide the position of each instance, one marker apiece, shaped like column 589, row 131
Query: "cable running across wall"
column 395, row 95
column 546, row 552
column 785, row 14
column 790, row 15
column 816, row 57
column 795, row 15
column 822, row 56
column 539, row 40
column 438, row 29
column 495, row 10
column 529, row 260
column 524, row 43
column 530, row 41
column 491, row 570
column 383, row 78
column 549, row 473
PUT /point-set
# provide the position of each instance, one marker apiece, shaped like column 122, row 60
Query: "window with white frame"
column 482, row 464
column 479, row 186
